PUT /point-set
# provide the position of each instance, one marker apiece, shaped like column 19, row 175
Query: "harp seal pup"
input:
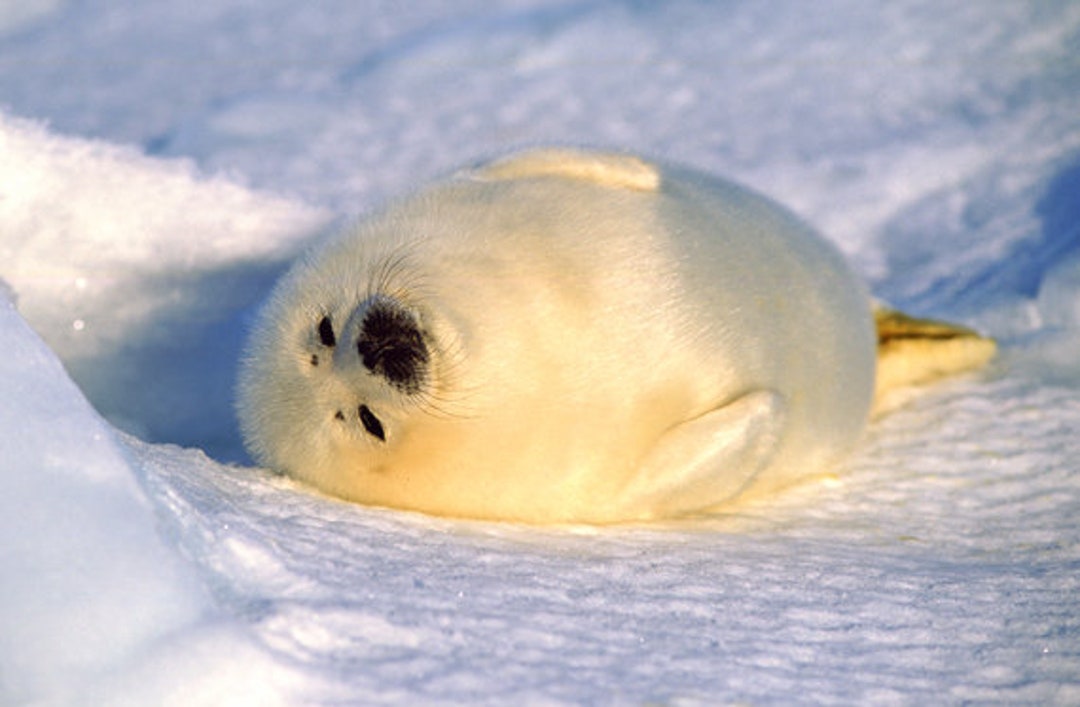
column 571, row 336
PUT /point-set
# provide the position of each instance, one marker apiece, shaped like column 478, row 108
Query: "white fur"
column 610, row 340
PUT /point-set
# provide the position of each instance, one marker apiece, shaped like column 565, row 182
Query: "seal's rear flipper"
column 915, row 351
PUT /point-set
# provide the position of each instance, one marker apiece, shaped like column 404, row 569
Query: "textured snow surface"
column 161, row 163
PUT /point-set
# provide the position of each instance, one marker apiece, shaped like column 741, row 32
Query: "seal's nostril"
column 367, row 352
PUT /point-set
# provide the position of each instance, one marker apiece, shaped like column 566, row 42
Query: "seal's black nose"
column 391, row 345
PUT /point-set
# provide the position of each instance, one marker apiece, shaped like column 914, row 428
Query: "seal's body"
column 563, row 336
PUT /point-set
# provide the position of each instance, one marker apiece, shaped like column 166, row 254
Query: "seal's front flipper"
column 704, row 461
column 914, row 351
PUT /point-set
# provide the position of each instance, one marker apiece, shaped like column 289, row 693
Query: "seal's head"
column 330, row 376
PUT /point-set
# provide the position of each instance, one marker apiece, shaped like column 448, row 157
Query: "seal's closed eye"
column 371, row 423
column 326, row 333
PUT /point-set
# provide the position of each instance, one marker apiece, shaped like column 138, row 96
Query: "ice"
column 159, row 166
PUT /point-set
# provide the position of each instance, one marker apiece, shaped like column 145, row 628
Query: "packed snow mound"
column 134, row 271
column 155, row 187
column 98, row 605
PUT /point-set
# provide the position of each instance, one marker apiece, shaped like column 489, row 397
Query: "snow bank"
column 137, row 272
column 96, row 605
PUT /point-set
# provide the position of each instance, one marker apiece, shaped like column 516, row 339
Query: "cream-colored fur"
column 563, row 336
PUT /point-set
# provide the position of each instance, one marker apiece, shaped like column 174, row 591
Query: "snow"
column 160, row 165
column 88, row 582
